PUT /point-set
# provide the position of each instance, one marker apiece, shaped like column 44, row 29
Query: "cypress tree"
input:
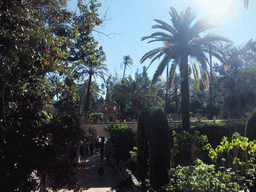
column 153, row 140
column 160, row 150
column 250, row 127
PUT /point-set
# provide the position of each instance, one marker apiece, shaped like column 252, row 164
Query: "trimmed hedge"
column 122, row 139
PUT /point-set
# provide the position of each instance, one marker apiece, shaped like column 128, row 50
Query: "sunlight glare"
column 216, row 8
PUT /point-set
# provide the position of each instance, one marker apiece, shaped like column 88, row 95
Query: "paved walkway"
column 88, row 179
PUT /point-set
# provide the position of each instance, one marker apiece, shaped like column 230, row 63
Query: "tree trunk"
column 124, row 71
column 3, row 112
column 177, row 100
column 88, row 94
column 210, row 87
column 166, row 94
column 184, row 92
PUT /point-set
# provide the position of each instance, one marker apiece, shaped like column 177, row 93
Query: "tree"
column 134, row 91
column 127, row 61
column 35, row 37
column 229, row 80
column 154, row 144
column 182, row 41
column 29, row 49
column 97, row 70
column 246, row 2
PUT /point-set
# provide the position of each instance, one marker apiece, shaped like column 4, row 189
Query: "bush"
column 237, row 153
column 96, row 116
column 250, row 127
column 216, row 130
column 122, row 139
column 183, row 141
column 201, row 177
column 153, row 147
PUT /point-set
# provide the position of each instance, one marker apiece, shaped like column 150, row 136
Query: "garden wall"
column 103, row 133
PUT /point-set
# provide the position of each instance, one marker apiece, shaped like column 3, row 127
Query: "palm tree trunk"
column 166, row 94
column 184, row 93
column 210, row 87
column 88, row 94
column 176, row 100
column 124, row 71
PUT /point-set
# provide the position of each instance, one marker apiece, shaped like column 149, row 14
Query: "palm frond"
column 172, row 74
column 161, row 68
column 188, row 17
column 151, row 54
column 246, row 2
column 200, row 26
column 166, row 26
column 213, row 38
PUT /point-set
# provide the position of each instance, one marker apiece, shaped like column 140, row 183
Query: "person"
column 97, row 143
column 102, row 149
column 100, row 173
column 91, row 148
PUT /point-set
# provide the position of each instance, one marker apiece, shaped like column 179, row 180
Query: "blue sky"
column 133, row 19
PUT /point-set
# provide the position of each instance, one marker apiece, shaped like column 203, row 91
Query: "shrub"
column 122, row 139
column 250, row 127
column 201, row 177
column 182, row 141
column 96, row 116
column 153, row 136
column 237, row 153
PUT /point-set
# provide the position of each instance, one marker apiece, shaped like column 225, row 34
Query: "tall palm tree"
column 127, row 61
column 246, row 2
column 96, row 70
column 182, row 41
column 135, row 91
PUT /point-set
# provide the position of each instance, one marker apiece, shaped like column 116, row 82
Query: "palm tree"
column 127, row 61
column 97, row 70
column 246, row 2
column 182, row 41
column 135, row 91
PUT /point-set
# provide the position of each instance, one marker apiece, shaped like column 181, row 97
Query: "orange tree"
column 35, row 37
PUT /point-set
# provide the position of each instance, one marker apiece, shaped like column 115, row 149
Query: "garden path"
column 87, row 174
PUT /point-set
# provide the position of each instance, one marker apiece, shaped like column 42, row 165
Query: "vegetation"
column 122, row 139
column 250, row 130
column 183, row 40
column 153, row 147
column 36, row 58
column 47, row 50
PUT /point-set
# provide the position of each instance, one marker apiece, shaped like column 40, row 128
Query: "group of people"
column 98, row 145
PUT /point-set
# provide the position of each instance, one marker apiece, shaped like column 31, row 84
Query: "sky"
column 130, row 20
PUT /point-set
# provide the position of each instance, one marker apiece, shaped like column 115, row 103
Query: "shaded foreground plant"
column 237, row 154
column 202, row 177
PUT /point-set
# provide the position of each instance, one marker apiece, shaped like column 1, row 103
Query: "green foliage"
column 250, row 127
column 96, row 116
column 237, row 153
column 182, row 141
column 153, row 138
column 202, row 177
column 142, row 144
column 159, row 149
column 36, row 37
column 216, row 130
column 123, row 140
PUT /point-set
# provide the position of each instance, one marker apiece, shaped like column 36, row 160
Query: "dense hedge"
column 153, row 140
column 122, row 139
column 214, row 131
column 250, row 128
